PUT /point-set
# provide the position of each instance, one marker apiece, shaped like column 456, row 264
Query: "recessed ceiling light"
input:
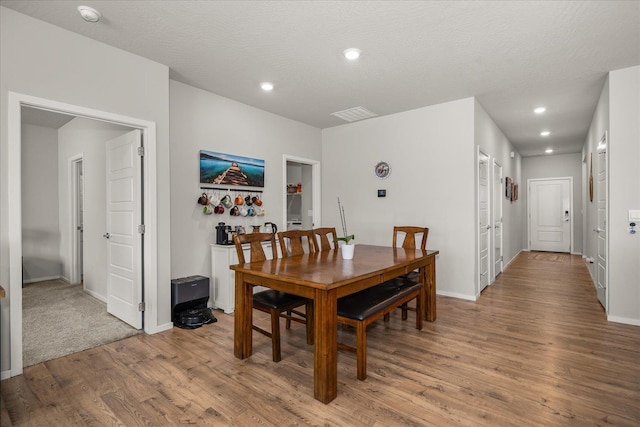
column 539, row 110
column 89, row 14
column 266, row 86
column 545, row 133
column 548, row 150
column 352, row 53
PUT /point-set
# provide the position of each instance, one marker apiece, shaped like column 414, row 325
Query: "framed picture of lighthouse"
column 229, row 169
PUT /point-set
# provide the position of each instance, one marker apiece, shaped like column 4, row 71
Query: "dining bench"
column 365, row 307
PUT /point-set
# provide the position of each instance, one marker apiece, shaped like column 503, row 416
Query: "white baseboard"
column 5, row 375
column 96, row 295
column 42, row 279
column 514, row 257
column 160, row 328
column 456, row 295
column 576, row 253
column 626, row 321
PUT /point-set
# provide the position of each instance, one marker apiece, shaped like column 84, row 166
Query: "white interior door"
column 124, row 241
column 601, row 230
column 484, row 220
column 550, row 215
column 497, row 221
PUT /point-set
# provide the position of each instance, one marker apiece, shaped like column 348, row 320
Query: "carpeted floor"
column 60, row 319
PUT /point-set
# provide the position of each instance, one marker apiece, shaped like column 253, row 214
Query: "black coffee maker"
column 222, row 234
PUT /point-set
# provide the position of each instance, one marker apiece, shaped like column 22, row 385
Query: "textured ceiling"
column 510, row 55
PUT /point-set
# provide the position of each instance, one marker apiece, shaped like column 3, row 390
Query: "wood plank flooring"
column 534, row 350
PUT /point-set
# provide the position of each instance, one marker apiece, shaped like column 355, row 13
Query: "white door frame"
column 14, row 182
column 315, row 183
column 571, row 216
column 75, row 268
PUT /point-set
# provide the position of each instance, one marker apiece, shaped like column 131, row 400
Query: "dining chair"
column 294, row 242
column 324, row 238
column 277, row 304
column 412, row 235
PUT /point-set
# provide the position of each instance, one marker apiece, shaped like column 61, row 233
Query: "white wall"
column 201, row 120
column 431, row 153
column 40, row 234
column 86, row 137
column 555, row 166
column 493, row 142
column 45, row 61
column 624, row 194
column 617, row 112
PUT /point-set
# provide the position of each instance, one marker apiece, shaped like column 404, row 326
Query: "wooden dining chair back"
column 277, row 304
column 324, row 238
column 411, row 236
column 256, row 250
column 296, row 242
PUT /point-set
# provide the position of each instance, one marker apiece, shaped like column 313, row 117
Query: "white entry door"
column 550, row 215
column 484, row 219
column 497, row 221
column 601, row 230
column 124, row 241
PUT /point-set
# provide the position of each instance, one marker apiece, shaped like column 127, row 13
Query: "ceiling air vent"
column 354, row 114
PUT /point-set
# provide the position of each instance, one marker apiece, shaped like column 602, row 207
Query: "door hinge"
column 141, row 306
column 141, row 229
column 141, row 151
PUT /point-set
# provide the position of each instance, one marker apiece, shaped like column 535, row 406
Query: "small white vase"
column 347, row 250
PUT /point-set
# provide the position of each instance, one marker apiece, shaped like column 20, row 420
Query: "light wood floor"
column 534, row 350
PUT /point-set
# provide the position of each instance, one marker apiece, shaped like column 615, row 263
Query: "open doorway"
column 149, row 257
column 302, row 187
column 62, row 313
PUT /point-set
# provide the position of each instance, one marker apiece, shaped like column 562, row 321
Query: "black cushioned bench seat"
column 367, row 306
column 370, row 301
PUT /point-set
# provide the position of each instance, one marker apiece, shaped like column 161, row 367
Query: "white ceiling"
column 35, row 116
column 511, row 55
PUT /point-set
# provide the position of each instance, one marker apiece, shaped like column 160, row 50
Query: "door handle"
column 106, row 235
column 597, row 230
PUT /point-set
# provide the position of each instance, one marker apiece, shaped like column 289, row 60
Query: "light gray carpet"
column 60, row 319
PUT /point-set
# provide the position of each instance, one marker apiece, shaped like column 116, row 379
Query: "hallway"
column 534, row 350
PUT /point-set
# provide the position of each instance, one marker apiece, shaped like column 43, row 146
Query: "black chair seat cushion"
column 277, row 300
column 367, row 302
column 412, row 275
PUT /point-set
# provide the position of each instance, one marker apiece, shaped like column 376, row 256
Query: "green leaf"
column 345, row 239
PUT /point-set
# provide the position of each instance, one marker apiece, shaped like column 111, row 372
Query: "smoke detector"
column 89, row 14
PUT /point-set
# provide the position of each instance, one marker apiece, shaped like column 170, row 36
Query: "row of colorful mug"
column 243, row 210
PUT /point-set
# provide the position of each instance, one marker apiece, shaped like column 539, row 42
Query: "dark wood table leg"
column 430, row 301
column 243, row 317
column 325, row 365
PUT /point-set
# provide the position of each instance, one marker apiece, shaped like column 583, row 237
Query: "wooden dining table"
column 324, row 277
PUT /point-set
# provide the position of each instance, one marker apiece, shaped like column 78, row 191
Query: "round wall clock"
column 382, row 170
